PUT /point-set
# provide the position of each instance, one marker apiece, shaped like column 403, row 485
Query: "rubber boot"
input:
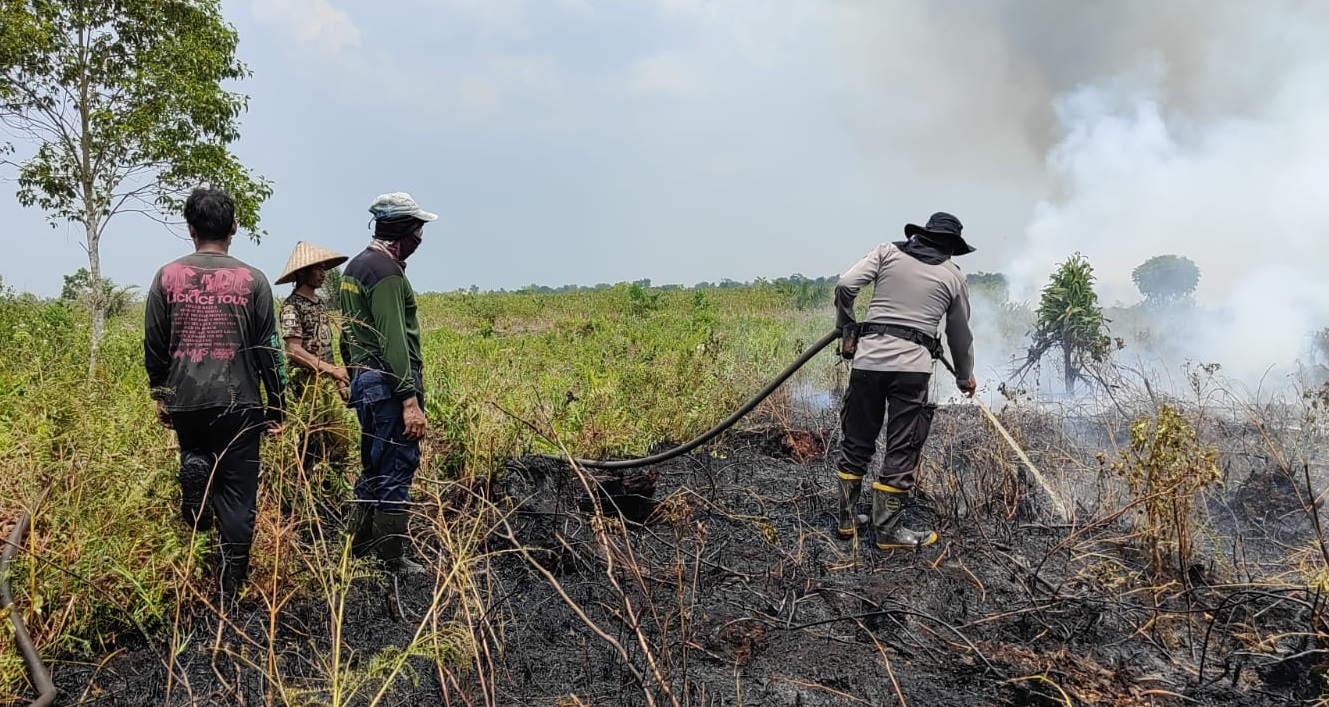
column 890, row 524
column 849, row 490
column 232, row 574
column 390, row 542
column 195, row 472
column 360, row 527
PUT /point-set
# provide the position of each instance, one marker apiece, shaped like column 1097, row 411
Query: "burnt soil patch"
column 717, row 579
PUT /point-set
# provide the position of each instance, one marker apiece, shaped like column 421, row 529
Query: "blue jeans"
column 387, row 458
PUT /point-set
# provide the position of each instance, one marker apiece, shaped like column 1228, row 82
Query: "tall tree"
column 1070, row 318
column 1166, row 278
column 124, row 104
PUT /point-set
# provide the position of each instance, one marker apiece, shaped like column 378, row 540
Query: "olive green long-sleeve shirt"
column 381, row 328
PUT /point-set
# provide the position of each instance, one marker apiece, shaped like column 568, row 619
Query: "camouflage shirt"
column 307, row 320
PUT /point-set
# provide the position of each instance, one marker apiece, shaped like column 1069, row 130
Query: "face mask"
column 408, row 243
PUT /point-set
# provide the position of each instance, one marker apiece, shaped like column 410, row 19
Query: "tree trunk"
column 1069, row 369
column 93, row 214
column 98, row 293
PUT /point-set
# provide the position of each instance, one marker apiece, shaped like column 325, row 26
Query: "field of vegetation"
column 1139, row 523
column 1190, row 568
column 607, row 372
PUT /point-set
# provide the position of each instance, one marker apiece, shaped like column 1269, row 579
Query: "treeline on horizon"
column 78, row 287
column 981, row 280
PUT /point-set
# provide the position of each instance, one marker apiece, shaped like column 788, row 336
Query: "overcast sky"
column 586, row 141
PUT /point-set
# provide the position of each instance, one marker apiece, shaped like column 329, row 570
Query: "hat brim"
column 330, row 263
column 418, row 214
column 963, row 247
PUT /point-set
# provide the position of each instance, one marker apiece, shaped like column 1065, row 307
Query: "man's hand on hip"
column 413, row 420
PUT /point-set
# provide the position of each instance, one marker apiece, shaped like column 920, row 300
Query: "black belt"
column 927, row 341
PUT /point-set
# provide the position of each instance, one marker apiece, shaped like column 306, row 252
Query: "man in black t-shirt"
column 210, row 341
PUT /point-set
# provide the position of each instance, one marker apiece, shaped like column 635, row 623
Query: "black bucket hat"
column 942, row 228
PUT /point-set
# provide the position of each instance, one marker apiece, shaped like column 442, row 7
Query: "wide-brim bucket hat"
column 945, row 228
column 308, row 255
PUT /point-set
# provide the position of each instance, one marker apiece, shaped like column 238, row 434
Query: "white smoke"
column 1236, row 194
column 1189, row 127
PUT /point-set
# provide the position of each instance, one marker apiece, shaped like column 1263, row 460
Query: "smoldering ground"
column 1120, row 130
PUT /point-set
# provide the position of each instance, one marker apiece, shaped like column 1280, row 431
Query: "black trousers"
column 231, row 437
column 900, row 399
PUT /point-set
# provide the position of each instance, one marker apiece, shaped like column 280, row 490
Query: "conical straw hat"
column 306, row 254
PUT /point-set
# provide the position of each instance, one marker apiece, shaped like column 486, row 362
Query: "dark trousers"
column 901, row 400
column 231, row 437
column 387, row 458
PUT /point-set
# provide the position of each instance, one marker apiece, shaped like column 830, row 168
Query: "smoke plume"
column 1124, row 130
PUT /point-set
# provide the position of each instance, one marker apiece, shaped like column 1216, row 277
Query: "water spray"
column 1057, row 505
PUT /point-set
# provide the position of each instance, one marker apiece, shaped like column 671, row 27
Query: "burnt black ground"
column 734, row 591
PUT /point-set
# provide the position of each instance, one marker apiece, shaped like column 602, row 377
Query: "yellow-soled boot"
column 849, row 490
column 889, row 522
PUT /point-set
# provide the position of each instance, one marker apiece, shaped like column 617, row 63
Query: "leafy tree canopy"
column 1070, row 318
column 124, row 107
column 80, row 290
column 1166, row 278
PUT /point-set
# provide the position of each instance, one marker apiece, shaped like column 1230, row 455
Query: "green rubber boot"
column 360, row 526
column 889, row 522
column 390, row 542
column 849, row 490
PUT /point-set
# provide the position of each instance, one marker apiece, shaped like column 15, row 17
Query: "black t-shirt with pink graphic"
column 210, row 336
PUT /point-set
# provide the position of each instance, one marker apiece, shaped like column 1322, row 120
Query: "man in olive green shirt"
column 381, row 347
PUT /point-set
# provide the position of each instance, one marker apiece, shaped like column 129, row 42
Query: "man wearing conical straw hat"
column 317, row 382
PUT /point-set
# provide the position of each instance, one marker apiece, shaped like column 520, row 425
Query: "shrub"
column 1166, row 467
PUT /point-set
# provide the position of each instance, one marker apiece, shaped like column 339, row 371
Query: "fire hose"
column 41, row 679
column 723, row 425
column 779, row 380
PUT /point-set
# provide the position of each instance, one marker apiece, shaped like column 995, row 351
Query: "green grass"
column 597, row 373
column 608, row 372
